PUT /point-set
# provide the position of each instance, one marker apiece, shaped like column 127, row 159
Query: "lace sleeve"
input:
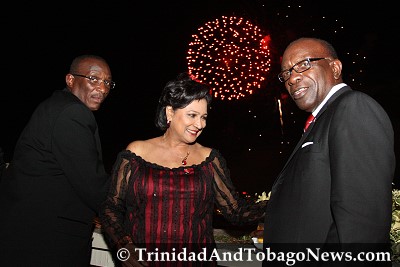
column 113, row 209
column 234, row 208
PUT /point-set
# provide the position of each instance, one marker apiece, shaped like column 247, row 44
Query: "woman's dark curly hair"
column 179, row 93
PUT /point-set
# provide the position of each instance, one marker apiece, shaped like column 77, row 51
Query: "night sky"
column 146, row 44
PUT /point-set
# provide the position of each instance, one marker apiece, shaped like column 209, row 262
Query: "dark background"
column 145, row 44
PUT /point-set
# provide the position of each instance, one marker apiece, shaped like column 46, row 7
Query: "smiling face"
column 309, row 88
column 91, row 94
column 187, row 123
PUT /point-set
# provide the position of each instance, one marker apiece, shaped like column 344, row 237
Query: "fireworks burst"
column 231, row 55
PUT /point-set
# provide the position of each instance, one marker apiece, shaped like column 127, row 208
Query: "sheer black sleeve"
column 113, row 210
column 234, row 208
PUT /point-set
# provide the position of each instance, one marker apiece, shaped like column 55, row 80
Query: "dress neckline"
column 138, row 158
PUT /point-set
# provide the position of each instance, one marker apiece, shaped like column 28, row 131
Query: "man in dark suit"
column 56, row 181
column 335, row 189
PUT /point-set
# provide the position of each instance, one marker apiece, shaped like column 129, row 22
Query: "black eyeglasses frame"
column 309, row 60
column 97, row 80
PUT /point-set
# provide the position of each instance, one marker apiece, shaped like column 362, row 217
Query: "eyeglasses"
column 97, row 81
column 299, row 67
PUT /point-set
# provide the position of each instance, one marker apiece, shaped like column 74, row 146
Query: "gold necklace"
column 184, row 162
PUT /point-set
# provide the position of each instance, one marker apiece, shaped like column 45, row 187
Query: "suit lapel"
column 98, row 143
column 279, row 180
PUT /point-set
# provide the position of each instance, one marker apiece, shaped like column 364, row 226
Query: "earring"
column 168, row 123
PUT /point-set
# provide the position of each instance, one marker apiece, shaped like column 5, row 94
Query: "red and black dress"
column 172, row 208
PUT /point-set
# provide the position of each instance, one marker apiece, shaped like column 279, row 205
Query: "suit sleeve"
column 362, row 161
column 77, row 149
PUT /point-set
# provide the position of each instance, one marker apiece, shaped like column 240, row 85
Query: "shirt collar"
column 334, row 89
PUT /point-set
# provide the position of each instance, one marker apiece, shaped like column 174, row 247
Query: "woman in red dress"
column 164, row 189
